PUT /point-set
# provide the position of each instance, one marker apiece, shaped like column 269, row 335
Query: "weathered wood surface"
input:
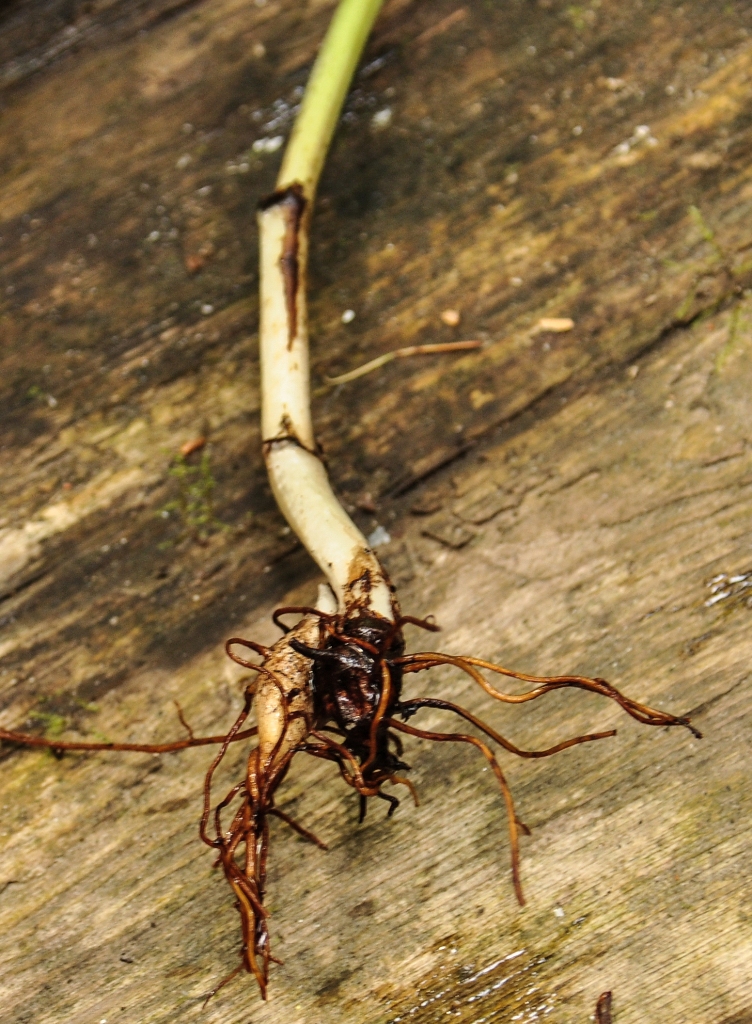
column 559, row 502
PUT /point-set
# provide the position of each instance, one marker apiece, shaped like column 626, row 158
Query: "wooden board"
column 562, row 502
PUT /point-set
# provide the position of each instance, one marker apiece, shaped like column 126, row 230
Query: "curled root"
column 642, row 713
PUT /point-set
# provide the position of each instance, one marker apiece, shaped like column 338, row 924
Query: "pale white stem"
column 308, row 503
column 296, row 473
column 285, row 390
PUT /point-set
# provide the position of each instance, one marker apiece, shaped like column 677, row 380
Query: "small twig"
column 194, row 445
column 441, row 26
column 401, row 353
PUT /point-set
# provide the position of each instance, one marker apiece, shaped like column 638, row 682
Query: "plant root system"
column 331, row 687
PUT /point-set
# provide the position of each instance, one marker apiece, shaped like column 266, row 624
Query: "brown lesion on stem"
column 293, row 202
column 365, row 574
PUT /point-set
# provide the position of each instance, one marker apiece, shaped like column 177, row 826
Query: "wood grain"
column 560, row 502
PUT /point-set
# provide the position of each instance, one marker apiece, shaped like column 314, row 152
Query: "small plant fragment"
column 603, row 1009
column 402, row 353
column 450, row 317
column 555, row 324
column 194, row 445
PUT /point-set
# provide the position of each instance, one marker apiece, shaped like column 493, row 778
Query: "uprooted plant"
column 331, row 686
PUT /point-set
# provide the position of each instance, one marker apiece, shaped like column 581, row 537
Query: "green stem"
column 325, row 94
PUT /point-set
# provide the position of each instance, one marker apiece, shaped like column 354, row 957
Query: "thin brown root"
column 225, row 981
column 641, row 712
column 400, row 780
column 396, row 741
column 224, row 803
column 297, row 609
column 506, row 792
column 384, row 702
column 433, row 702
column 22, row 739
column 251, row 645
column 215, row 764
column 353, row 640
column 304, row 832
column 183, row 721
column 391, row 800
column 243, row 848
column 344, row 755
column 427, row 623
column 340, row 756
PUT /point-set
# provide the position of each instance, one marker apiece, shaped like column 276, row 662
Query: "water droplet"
column 268, row 145
column 378, row 537
column 382, row 118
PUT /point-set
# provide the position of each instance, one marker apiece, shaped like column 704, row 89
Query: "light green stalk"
column 325, row 94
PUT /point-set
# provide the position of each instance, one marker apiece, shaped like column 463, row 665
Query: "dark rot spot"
column 293, row 203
